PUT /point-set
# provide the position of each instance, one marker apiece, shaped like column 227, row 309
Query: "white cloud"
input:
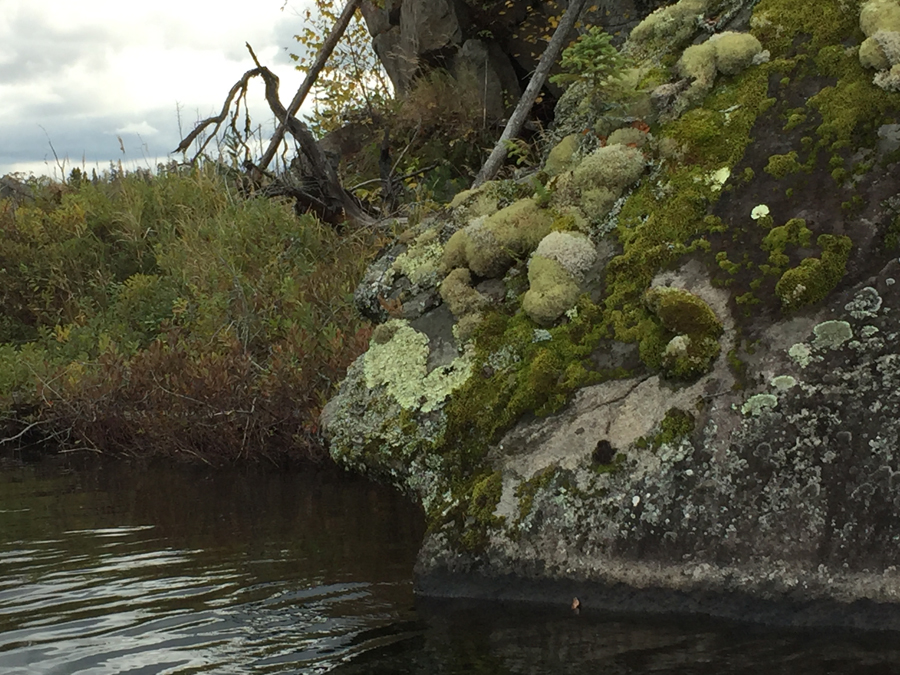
column 141, row 129
column 86, row 71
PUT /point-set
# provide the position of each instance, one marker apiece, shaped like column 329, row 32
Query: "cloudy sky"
column 81, row 74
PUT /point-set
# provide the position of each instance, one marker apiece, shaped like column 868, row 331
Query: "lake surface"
column 115, row 568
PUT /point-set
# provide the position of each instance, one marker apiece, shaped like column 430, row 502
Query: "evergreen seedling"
column 592, row 58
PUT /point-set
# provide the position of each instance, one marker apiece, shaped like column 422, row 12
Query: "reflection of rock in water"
column 465, row 637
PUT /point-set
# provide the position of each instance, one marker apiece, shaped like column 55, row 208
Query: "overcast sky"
column 84, row 73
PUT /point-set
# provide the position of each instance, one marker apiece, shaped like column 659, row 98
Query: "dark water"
column 120, row 569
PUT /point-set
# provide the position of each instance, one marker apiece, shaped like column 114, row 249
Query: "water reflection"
column 473, row 638
column 118, row 569
column 112, row 569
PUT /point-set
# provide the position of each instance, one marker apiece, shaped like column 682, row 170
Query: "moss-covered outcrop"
column 664, row 341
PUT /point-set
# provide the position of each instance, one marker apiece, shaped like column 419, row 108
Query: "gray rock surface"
column 412, row 36
column 765, row 487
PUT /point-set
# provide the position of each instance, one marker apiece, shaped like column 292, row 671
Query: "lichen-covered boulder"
column 388, row 412
column 715, row 418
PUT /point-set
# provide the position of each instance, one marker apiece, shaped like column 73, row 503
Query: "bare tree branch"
column 322, row 170
column 337, row 201
column 24, row 431
column 321, row 59
column 218, row 120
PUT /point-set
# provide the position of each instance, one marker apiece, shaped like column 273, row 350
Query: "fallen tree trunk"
column 548, row 58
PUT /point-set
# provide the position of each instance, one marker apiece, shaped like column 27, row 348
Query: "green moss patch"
column 685, row 342
column 675, row 425
column 815, row 278
column 489, row 246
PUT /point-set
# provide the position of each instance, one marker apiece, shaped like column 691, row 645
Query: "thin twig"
column 409, row 175
column 23, row 432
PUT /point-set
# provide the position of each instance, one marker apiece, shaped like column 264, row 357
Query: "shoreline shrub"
column 168, row 315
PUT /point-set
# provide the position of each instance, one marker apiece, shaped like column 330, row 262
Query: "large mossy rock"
column 700, row 417
column 500, row 41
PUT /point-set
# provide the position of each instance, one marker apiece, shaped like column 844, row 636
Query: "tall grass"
column 168, row 315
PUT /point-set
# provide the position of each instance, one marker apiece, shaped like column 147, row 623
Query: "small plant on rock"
column 592, row 58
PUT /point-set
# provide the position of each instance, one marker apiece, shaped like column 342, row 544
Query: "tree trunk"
column 523, row 108
column 321, row 59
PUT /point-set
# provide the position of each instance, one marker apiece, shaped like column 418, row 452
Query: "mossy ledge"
column 682, row 413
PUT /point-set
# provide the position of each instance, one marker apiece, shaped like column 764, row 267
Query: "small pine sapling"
column 592, row 58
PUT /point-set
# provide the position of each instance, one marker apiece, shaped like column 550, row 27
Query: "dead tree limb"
column 321, row 59
column 217, row 120
column 337, row 198
column 337, row 202
column 548, row 58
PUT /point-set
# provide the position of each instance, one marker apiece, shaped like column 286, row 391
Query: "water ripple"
column 142, row 598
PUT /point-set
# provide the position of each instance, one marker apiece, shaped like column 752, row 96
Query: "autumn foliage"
column 169, row 315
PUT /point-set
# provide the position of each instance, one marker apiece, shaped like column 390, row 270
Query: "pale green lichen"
column 552, row 290
column 562, row 155
column 400, row 364
column 880, row 21
column 727, row 53
column 877, row 15
column 717, row 179
column 554, row 274
column 758, row 404
column 420, row 262
column 457, row 292
column 760, row 211
column 477, row 203
column 783, row 382
column 889, row 80
column 801, row 354
column 734, row 51
column 865, row 304
column 627, row 136
column 832, row 334
column 572, row 250
column 488, row 246
column 669, row 26
column 599, row 180
column 881, row 50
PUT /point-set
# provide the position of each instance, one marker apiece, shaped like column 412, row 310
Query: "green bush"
column 168, row 314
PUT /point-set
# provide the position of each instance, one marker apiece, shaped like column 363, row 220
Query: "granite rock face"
column 787, row 495
column 499, row 41
column 602, row 453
